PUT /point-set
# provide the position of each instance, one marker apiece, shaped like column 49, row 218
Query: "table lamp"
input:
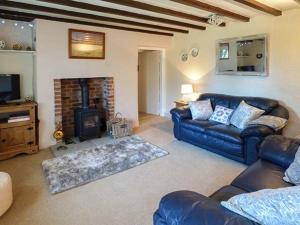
column 186, row 91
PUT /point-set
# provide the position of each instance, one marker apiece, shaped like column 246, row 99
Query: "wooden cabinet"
column 18, row 137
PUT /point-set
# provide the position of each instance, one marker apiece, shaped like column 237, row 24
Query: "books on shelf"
column 14, row 119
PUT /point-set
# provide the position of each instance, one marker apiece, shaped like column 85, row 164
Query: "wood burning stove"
column 87, row 120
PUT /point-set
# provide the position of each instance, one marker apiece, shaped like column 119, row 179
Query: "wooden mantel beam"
column 213, row 9
column 101, row 9
column 38, row 8
column 260, row 6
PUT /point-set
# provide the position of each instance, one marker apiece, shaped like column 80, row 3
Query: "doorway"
column 149, row 83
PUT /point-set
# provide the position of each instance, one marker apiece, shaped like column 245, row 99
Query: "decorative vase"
column 17, row 47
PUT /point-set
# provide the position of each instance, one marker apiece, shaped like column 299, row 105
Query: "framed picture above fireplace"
column 86, row 44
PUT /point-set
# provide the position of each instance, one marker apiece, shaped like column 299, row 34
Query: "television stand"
column 18, row 129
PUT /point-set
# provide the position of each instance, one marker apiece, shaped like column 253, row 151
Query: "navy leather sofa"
column 227, row 140
column 191, row 208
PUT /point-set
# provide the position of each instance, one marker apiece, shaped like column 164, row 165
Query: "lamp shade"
column 186, row 89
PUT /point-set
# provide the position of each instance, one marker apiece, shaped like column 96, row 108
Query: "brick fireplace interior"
column 68, row 98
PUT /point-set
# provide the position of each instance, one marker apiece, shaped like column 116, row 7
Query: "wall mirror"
column 246, row 56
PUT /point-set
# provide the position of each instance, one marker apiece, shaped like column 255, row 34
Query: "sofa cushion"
column 261, row 175
column 292, row 174
column 244, row 114
column 221, row 115
column 201, row 110
column 191, row 208
column 233, row 102
column 268, row 206
column 226, row 193
column 225, row 132
column 279, row 150
column 197, row 125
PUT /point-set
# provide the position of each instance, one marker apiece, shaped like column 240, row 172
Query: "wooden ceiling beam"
column 86, row 16
column 18, row 18
column 157, row 9
column 213, row 9
column 65, row 20
column 101, row 9
column 260, row 6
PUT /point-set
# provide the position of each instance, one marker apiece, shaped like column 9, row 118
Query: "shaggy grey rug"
column 84, row 166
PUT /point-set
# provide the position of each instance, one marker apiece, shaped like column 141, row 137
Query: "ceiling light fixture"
column 215, row 19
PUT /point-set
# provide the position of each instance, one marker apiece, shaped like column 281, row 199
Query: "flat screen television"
column 9, row 87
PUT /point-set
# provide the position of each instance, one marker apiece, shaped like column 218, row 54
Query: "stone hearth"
column 68, row 98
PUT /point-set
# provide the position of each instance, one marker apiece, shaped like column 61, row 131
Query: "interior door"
column 149, row 82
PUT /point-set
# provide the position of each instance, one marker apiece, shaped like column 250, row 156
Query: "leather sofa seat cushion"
column 225, row 132
column 226, row 193
column 261, row 175
column 197, row 125
column 191, row 208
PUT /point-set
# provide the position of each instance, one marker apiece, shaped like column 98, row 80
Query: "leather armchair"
column 226, row 140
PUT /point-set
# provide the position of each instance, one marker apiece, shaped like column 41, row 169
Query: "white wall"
column 149, row 81
column 284, row 50
column 121, row 63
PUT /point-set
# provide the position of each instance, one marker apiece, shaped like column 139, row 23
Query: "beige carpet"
column 127, row 198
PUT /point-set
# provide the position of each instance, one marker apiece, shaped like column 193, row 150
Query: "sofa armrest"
column 279, row 150
column 181, row 113
column 191, row 208
column 257, row 130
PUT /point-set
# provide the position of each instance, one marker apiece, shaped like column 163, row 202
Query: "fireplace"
column 87, row 119
column 82, row 106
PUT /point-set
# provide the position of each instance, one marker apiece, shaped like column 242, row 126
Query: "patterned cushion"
column 221, row 115
column 274, row 122
column 244, row 114
column 292, row 174
column 201, row 110
column 269, row 206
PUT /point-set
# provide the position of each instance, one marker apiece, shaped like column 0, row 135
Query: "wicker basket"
column 119, row 127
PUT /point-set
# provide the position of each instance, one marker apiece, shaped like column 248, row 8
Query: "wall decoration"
column 246, row 56
column 194, row 52
column 2, row 44
column 184, row 57
column 223, row 51
column 17, row 46
column 259, row 55
column 86, row 44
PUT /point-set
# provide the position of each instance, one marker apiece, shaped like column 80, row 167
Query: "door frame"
column 162, row 78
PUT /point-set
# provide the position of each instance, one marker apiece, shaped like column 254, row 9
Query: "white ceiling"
column 225, row 4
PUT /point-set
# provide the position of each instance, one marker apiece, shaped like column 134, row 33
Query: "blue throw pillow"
column 269, row 206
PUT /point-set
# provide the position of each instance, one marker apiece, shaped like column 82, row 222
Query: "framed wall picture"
column 86, row 44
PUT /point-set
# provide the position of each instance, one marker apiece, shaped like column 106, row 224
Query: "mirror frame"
column 244, row 73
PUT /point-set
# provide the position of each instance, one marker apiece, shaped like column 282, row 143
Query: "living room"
column 76, row 141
